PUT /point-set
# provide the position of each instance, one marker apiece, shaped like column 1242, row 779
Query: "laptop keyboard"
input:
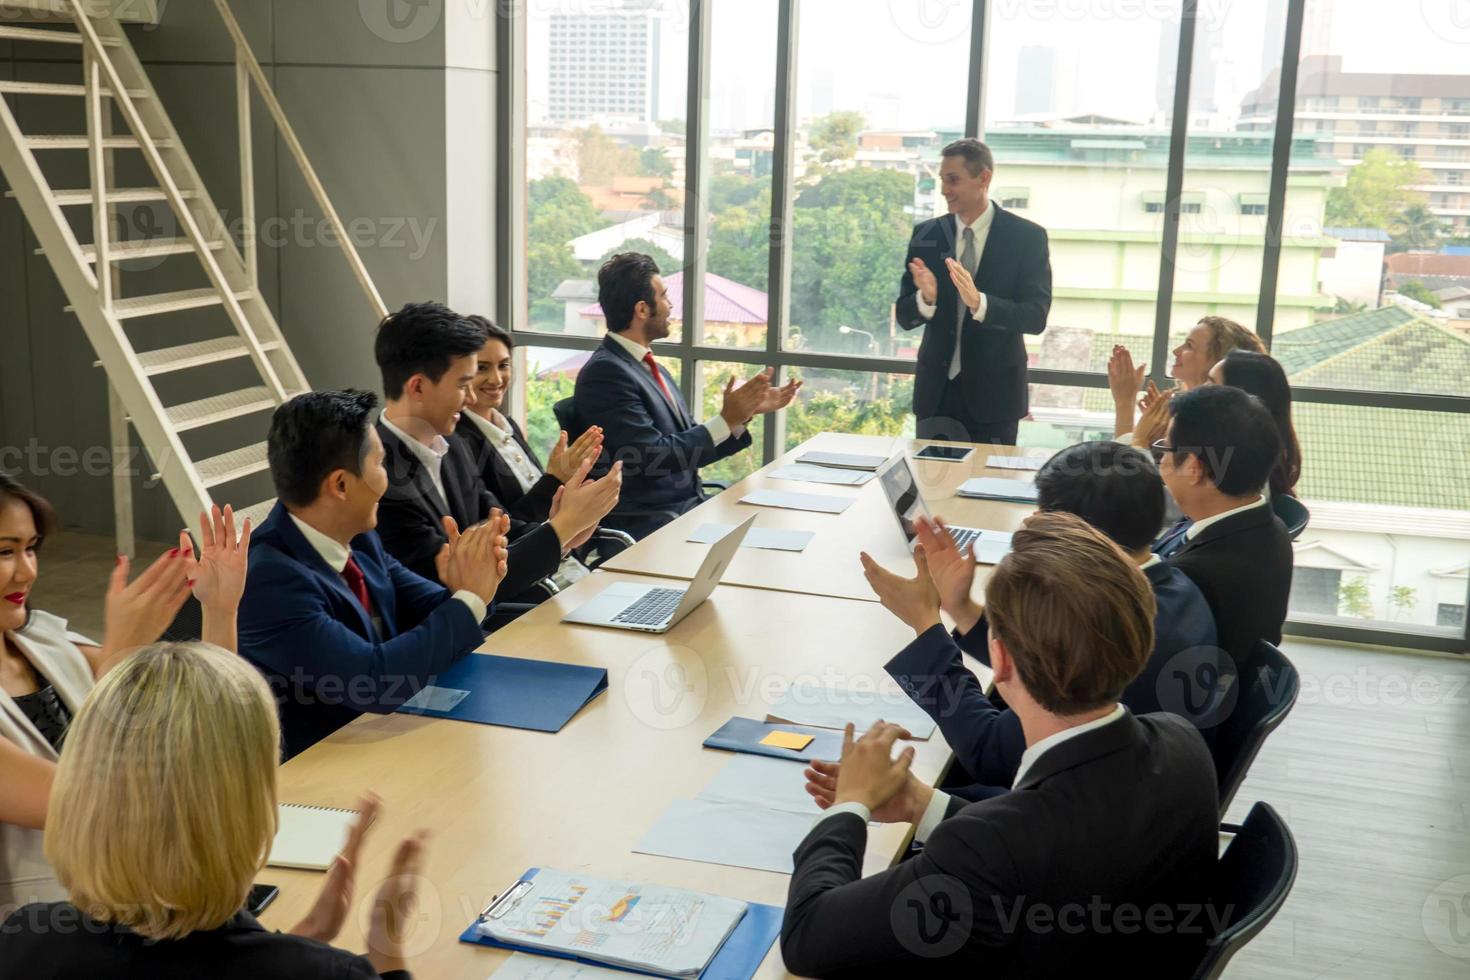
column 964, row 537
column 654, row 609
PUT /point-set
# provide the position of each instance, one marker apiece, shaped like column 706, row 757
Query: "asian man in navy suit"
column 1116, row 489
column 646, row 424
column 334, row 622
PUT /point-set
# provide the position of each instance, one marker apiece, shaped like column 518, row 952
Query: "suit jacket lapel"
column 991, row 252
column 1084, row 748
column 380, row 587
column 1249, row 520
column 294, row 543
column 676, row 410
column 402, row 460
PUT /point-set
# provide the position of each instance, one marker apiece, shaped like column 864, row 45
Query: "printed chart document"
column 766, row 538
column 640, row 926
column 821, row 474
column 743, row 835
column 1016, row 462
column 809, row 703
column 843, row 461
column 821, row 503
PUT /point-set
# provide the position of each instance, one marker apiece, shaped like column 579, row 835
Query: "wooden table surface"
column 829, row 566
column 500, row 800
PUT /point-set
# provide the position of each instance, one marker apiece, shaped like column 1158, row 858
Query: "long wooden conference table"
column 500, row 800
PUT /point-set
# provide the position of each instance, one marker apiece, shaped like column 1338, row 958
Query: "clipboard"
column 737, row 958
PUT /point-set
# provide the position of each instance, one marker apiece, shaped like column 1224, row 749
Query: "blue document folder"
column 509, row 691
column 745, row 734
column 737, row 959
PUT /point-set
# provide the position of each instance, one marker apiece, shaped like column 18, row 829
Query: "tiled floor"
column 1371, row 771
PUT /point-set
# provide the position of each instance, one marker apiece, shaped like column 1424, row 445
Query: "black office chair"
column 1267, row 692
column 1292, row 513
column 1252, row 880
column 188, row 624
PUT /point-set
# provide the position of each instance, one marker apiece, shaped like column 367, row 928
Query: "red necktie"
column 358, row 584
column 658, row 377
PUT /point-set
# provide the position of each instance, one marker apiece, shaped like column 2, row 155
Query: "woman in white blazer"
column 46, row 671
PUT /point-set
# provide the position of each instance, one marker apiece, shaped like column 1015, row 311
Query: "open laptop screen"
column 903, row 494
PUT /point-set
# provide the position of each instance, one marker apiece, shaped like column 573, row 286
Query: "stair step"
column 256, row 513
column 233, row 465
column 145, row 248
column 218, row 408
column 54, row 88
column 51, row 142
column 49, row 36
column 82, row 196
column 185, row 356
column 188, row 299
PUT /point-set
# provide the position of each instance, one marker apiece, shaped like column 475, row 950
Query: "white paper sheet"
column 821, row 503
column 756, row 780
column 849, row 461
column 994, row 487
column 524, row 966
column 991, row 546
column 1016, row 462
column 767, row 538
column 821, row 474
column 833, row 707
column 734, row 834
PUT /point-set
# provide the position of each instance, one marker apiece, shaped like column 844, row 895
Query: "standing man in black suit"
column 1111, row 823
column 977, row 278
column 646, row 424
column 1220, row 450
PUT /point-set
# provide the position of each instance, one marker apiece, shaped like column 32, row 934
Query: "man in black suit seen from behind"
column 1218, row 454
column 646, row 424
column 427, row 355
column 1111, row 823
column 978, row 279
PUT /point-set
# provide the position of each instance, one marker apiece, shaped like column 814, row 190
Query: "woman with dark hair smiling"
column 46, row 671
column 1262, row 375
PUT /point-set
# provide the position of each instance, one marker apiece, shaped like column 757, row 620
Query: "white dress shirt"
column 335, row 554
column 498, row 433
column 939, row 802
column 719, row 429
column 431, row 456
column 1153, row 559
column 981, row 227
column 1198, row 527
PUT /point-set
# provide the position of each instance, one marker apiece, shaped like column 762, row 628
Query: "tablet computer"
column 950, row 454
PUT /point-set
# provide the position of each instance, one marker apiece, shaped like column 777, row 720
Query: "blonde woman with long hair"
column 162, row 813
column 1202, row 348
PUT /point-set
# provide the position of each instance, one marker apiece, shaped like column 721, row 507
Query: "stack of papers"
column 821, row 474
column 843, row 461
column 993, row 488
column 1016, row 462
column 821, row 503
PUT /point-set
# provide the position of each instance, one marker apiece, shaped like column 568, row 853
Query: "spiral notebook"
column 309, row 837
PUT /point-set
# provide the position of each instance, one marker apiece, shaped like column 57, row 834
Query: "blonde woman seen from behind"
column 162, row 813
column 1206, row 343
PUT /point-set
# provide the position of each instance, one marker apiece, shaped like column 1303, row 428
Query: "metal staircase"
column 95, row 277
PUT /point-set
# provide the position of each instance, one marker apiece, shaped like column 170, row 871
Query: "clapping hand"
column 581, row 503
column 137, row 613
column 869, row 774
column 334, row 901
column 951, row 570
column 1125, row 380
column 219, row 574
column 964, row 283
column 566, row 460
column 475, row 560
column 913, row 600
column 924, row 280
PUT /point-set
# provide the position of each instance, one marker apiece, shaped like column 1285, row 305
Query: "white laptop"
column 656, row 608
column 902, row 491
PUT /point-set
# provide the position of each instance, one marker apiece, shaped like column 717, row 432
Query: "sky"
column 903, row 63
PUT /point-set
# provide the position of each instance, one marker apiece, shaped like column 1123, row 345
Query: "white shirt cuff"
column 926, row 310
column 476, row 604
column 720, row 430
column 852, row 807
column 933, row 813
column 978, row 310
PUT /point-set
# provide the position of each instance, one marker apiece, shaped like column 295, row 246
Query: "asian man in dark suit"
column 427, row 355
column 645, row 422
column 1111, row 823
column 977, row 280
column 1220, row 450
column 335, row 623
column 1115, row 489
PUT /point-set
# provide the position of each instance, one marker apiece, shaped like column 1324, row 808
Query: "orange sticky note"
column 787, row 740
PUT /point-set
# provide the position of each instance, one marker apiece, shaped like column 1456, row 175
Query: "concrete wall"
column 395, row 105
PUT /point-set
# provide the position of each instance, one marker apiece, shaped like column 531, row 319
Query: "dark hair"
column 1232, row 434
column 314, row 434
column 422, row 338
column 42, row 513
column 1262, row 375
column 493, row 330
column 1115, row 488
column 1074, row 612
column 624, row 280
column 977, row 155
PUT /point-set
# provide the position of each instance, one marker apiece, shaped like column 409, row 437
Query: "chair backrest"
column 1268, row 688
column 1252, row 880
column 188, row 624
column 566, row 417
column 1293, row 514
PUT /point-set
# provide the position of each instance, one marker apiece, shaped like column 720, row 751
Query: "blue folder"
column 737, row 959
column 513, row 692
column 745, row 734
